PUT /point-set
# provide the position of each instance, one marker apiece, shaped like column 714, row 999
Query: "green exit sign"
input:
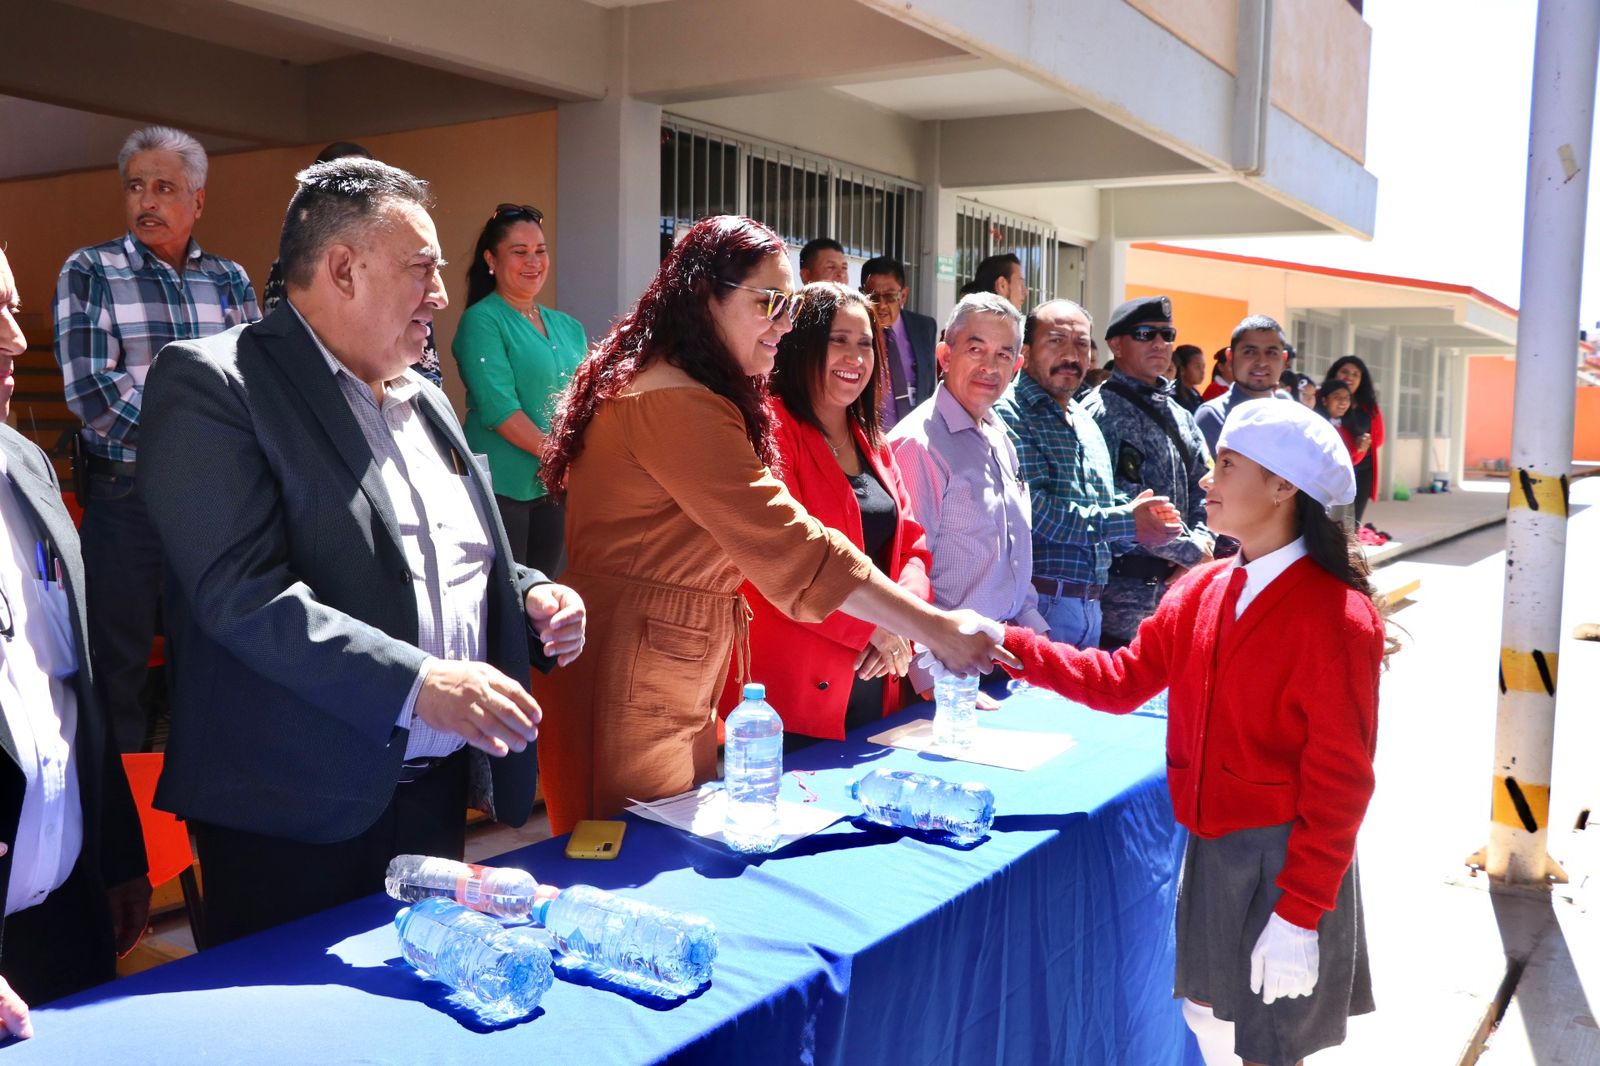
column 945, row 268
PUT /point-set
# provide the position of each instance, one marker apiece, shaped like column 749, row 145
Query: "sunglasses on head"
column 779, row 303
column 1146, row 334
column 527, row 211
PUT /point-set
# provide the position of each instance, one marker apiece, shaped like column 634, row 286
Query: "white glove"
column 1284, row 962
column 971, row 622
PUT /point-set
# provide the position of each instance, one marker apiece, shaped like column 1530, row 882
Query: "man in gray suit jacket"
column 350, row 636
column 72, row 861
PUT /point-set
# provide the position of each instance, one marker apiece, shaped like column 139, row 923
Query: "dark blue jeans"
column 122, row 568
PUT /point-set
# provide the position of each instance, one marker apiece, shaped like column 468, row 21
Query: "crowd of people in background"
column 746, row 476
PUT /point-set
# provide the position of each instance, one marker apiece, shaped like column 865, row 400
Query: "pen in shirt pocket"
column 41, row 564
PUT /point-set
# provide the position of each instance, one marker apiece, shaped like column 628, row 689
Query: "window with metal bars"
column 1413, row 405
column 982, row 231
column 706, row 171
column 1313, row 338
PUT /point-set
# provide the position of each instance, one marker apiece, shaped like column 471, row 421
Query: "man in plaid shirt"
column 117, row 304
column 1078, row 514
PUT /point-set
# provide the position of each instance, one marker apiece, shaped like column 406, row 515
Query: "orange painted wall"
column 471, row 167
column 1491, row 388
column 1204, row 320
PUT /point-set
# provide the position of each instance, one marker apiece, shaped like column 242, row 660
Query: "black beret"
column 1136, row 313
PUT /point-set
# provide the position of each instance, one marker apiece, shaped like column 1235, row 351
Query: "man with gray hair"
column 116, row 305
column 352, row 638
column 960, row 470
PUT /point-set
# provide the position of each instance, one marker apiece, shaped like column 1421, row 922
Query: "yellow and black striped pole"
column 1565, row 52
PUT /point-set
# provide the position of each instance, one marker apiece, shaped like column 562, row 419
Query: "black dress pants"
column 61, row 945
column 253, row 882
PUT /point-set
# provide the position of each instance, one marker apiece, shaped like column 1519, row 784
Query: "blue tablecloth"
column 1048, row 942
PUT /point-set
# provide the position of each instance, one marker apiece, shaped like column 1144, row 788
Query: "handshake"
column 979, row 646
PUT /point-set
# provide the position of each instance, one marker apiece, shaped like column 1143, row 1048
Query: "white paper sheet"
column 1012, row 749
column 704, row 811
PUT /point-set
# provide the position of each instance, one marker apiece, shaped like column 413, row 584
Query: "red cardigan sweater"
column 808, row 668
column 1276, row 725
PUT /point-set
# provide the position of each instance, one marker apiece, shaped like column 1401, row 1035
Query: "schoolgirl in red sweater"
column 1269, row 756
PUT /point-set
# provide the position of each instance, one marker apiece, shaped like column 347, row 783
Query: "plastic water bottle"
column 502, row 891
column 752, row 760
column 628, row 942
column 506, row 970
column 922, row 801
column 955, row 710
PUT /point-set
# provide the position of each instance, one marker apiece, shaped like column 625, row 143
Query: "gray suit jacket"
column 291, row 618
column 113, row 843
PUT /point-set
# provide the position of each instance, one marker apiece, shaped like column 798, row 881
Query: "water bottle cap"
column 755, row 690
column 540, row 911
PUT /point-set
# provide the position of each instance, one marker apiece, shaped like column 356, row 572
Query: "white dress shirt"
column 1259, row 573
column 442, row 531
column 37, row 664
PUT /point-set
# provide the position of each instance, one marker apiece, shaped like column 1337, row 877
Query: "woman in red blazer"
column 827, row 677
column 1269, row 756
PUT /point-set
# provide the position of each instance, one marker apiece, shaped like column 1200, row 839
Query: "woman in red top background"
column 1333, row 403
column 1269, row 755
column 826, row 678
column 1364, row 417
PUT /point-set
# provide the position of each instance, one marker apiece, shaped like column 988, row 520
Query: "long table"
column 1050, row 941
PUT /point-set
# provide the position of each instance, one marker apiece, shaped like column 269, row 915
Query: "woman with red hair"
column 662, row 446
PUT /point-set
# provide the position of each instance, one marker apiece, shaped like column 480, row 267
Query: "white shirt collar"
column 1259, row 573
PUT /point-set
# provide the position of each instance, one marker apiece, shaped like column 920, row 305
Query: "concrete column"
column 1389, row 397
column 1458, row 416
column 1106, row 282
column 608, row 203
column 935, row 296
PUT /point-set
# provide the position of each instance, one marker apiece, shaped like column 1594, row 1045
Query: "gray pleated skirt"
column 1224, row 900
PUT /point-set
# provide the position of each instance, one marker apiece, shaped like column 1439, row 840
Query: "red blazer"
column 1255, row 737
column 808, row 668
column 1213, row 390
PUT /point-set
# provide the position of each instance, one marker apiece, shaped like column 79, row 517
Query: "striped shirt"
column 443, row 532
column 117, row 305
column 1078, row 514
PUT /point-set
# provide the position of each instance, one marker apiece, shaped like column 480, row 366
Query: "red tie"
column 1230, row 604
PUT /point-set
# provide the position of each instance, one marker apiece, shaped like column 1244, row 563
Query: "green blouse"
column 509, row 366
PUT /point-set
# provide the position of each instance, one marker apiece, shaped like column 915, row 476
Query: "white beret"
column 1294, row 442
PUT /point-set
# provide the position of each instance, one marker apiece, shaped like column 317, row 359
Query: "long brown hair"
column 1332, row 547
column 803, row 359
column 672, row 321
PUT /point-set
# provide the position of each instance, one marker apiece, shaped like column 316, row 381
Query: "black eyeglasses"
column 1146, row 334
column 527, row 211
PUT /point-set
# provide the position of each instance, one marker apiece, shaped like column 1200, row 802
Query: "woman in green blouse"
column 515, row 358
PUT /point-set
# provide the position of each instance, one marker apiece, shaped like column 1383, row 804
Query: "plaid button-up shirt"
column 117, row 305
column 1078, row 514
